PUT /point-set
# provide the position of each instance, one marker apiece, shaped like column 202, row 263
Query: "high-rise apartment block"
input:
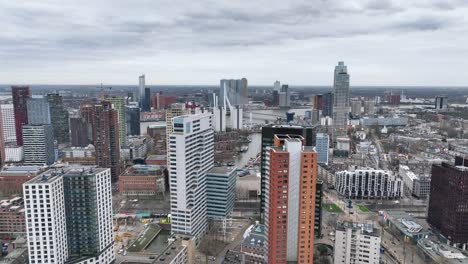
column 341, row 101
column 322, row 144
column 38, row 144
column 191, row 156
column 118, row 103
column 8, row 123
column 291, row 175
column 69, row 216
column 20, row 96
column 447, row 200
column 106, row 140
column 357, row 243
column 59, row 118
column 38, row 111
column 174, row 110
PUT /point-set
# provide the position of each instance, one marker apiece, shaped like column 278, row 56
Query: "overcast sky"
column 383, row 42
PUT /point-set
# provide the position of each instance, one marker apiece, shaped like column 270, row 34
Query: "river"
column 254, row 148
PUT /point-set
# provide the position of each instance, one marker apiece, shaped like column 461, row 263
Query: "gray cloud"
column 52, row 34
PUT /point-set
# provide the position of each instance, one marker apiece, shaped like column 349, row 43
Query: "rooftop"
column 144, row 170
column 367, row 229
column 222, row 170
column 437, row 252
column 16, row 170
column 156, row 157
column 406, row 223
column 254, row 236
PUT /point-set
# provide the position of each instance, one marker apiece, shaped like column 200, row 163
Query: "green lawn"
column 363, row 208
column 332, row 208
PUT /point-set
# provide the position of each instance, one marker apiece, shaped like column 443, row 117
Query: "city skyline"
column 296, row 42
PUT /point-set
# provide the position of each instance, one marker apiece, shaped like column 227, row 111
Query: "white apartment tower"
column 69, row 216
column 191, row 155
column 8, row 119
column 356, row 243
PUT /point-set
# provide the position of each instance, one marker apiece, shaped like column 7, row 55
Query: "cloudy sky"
column 383, row 42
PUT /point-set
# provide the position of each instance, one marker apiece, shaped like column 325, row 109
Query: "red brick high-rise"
column 290, row 209
column 105, row 129
column 20, row 95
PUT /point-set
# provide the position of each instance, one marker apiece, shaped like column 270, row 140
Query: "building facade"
column 356, row 243
column 290, row 209
column 76, row 206
column 191, row 156
column 79, row 132
column 221, row 191
column 143, row 180
column 38, row 144
column 12, row 220
column 340, row 101
column 13, row 177
column 106, row 138
column 8, row 123
column 118, row 103
column 327, row 108
column 20, row 96
column 141, row 91
column 368, row 183
column 132, row 119
column 322, row 142
column 59, row 118
column 38, row 111
column 448, row 196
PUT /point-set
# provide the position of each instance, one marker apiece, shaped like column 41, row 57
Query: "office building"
column 418, row 185
column 8, row 123
column 233, row 95
column 441, row 102
column 79, row 229
column 340, row 101
column 79, row 132
column 322, row 145
column 133, row 120
column 13, row 177
column 366, row 183
column 141, row 91
column 356, row 243
column 118, row 103
column 327, row 105
column 356, row 107
column 106, row 138
column 290, row 200
column 448, row 196
column 191, row 156
column 59, row 118
column 20, row 96
column 12, row 221
column 221, row 191
column 317, row 102
column 38, row 144
column 13, row 153
column 268, row 140
column 38, row 111
column 147, row 101
column 284, row 97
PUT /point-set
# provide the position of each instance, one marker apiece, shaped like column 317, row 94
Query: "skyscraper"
column 317, row 102
column 132, row 118
column 322, row 145
column 441, row 102
column 447, row 198
column 290, row 200
column 356, row 106
column 141, row 92
column 268, row 136
column 20, row 95
column 118, row 103
column 233, row 95
column 174, row 110
column 147, row 100
column 59, row 118
column 8, row 123
column 2, row 143
column 106, row 138
column 38, row 144
column 191, row 155
column 38, row 111
column 341, row 101
column 327, row 104
column 79, row 132
column 73, row 223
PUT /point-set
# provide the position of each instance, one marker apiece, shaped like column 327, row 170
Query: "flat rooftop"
column 18, row 170
column 367, row 229
column 53, row 174
column 222, row 170
column 144, row 170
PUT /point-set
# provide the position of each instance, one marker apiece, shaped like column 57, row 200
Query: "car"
column 152, row 257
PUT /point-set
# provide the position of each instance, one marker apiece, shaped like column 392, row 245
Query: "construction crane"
column 105, row 91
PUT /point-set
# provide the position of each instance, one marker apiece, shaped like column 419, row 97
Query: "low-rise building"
column 404, row 225
column 13, row 177
column 143, row 180
column 233, row 257
column 356, row 243
column 253, row 244
column 436, row 252
column 13, row 153
column 384, row 121
column 156, row 160
column 417, row 185
column 221, row 191
column 137, row 147
column 80, row 155
column 368, row 183
column 12, row 221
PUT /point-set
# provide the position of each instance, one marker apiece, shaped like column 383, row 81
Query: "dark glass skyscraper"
column 133, row 120
column 146, row 102
column 20, row 96
column 327, row 104
column 59, row 118
column 79, row 132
